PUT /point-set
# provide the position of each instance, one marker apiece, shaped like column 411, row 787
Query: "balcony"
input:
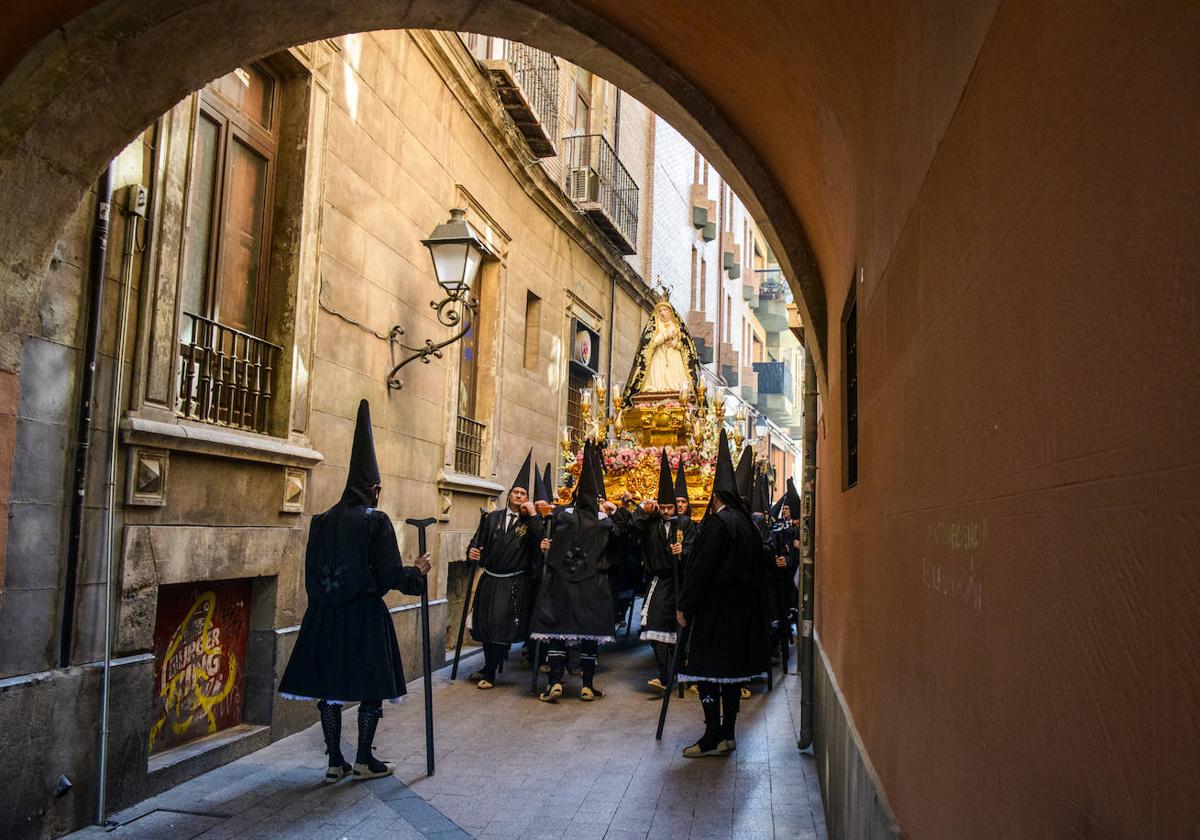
column 750, row 290
column 601, row 187
column 704, row 212
column 775, row 390
column 527, row 81
column 225, row 375
column 773, row 299
column 731, row 256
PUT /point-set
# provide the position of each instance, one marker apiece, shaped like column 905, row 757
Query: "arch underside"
column 105, row 75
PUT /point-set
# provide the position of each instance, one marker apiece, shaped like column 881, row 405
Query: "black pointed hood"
column 792, row 499
column 681, row 481
column 540, row 493
column 548, row 483
column 598, row 470
column 666, row 487
column 744, row 475
column 724, row 483
column 587, row 489
column 364, row 469
column 776, row 508
column 522, row 479
column 761, row 497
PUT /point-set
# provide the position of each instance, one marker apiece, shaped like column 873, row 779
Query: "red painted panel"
column 200, row 637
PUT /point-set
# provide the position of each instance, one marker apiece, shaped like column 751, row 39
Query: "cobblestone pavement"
column 511, row 767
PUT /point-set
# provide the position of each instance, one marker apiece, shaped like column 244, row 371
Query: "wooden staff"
column 462, row 619
column 421, row 525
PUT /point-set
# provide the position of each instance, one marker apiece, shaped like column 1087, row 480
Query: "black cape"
column 665, row 570
column 723, row 600
column 574, row 600
column 510, row 559
column 346, row 649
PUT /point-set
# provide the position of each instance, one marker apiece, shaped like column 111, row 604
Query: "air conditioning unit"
column 583, row 184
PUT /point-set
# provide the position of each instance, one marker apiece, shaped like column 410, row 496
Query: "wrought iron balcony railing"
column 773, row 286
column 226, row 376
column 527, row 81
column 602, row 187
column 468, row 445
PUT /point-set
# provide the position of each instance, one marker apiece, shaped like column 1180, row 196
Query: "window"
column 229, row 206
column 703, row 285
column 226, row 366
column 581, row 107
column 850, row 332
column 533, row 329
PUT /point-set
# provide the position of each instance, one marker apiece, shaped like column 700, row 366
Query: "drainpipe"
column 807, row 568
column 612, row 329
column 135, row 211
column 87, row 397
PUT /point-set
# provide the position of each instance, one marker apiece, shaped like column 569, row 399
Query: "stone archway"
column 87, row 89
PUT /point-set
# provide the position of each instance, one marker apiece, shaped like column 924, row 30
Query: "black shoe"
column 476, row 676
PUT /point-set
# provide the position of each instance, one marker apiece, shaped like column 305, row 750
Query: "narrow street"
column 511, row 767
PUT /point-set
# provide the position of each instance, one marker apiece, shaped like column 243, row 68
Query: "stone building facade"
column 278, row 251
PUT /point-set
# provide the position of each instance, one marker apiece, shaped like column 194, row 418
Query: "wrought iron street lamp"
column 457, row 253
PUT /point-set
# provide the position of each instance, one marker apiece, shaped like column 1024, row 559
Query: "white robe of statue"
column 666, row 369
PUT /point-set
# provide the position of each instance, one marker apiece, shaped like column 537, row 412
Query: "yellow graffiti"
column 183, row 694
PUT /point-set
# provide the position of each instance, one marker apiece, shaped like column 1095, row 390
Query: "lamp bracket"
column 448, row 316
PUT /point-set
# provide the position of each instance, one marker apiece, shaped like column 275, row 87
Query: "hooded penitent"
column 522, row 479
column 792, row 499
column 722, row 592
column 548, row 483
column 540, row 493
column 681, row 491
column 346, row 649
column 574, row 600
column 508, row 544
column 666, row 487
column 364, row 469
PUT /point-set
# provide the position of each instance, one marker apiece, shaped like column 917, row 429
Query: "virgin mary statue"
column 666, row 357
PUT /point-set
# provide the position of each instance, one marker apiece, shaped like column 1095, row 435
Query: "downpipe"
column 97, row 265
column 808, row 543
column 135, row 211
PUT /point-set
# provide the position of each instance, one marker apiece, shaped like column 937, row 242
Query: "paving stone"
column 508, row 766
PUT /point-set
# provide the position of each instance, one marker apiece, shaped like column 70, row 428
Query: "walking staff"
column 421, row 525
column 681, row 636
column 462, row 619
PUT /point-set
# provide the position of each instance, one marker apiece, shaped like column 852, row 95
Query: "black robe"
column 723, row 600
column 665, row 570
column 786, row 596
column 574, row 600
column 510, row 559
column 346, row 650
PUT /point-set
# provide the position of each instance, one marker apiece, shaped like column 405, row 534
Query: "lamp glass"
column 450, row 264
